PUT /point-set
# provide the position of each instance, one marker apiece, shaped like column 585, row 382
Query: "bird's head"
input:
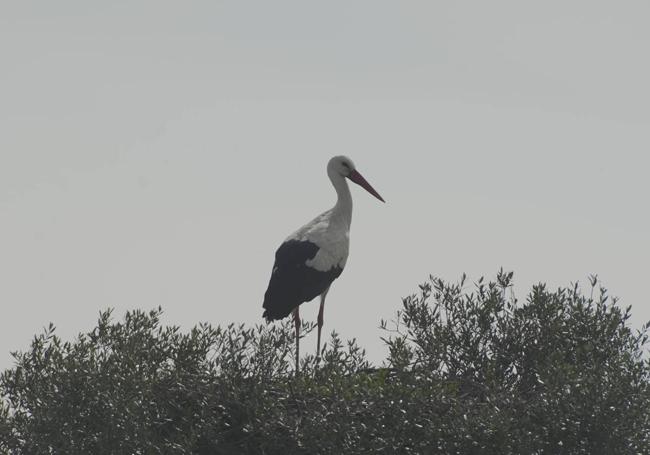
column 343, row 166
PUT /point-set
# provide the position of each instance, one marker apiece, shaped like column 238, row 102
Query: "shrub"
column 467, row 371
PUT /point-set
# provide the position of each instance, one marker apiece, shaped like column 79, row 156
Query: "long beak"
column 359, row 180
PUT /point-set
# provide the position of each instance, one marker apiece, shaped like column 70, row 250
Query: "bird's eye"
column 347, row 166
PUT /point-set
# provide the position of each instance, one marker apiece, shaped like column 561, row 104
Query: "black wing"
column 292, row 281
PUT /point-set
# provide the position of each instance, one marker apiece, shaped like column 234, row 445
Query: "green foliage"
column 468, row 371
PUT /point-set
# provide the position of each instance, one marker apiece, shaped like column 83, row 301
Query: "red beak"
column 359, row 180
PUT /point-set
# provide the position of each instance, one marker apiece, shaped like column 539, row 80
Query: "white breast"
column 331, row 235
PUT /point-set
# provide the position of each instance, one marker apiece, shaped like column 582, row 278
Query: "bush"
column 467, row 372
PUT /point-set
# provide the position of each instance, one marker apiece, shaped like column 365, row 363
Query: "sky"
column 157, row 153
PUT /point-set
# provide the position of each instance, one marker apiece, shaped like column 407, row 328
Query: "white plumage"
column 331, row 235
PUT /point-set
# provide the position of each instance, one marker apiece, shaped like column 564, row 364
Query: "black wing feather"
column 292, row 281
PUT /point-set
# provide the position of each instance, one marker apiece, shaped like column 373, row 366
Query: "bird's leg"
column 320, row 322
column 296, row 320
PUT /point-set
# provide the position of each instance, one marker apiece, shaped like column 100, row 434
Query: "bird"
column 312, row 257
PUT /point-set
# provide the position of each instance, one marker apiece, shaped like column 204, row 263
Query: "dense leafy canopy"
column 467, row 371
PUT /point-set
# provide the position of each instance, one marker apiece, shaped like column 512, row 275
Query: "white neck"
column 343, row 207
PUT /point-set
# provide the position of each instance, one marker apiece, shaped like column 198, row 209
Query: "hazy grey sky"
column 157, row 153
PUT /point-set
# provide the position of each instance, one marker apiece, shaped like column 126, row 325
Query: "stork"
column 311, row 258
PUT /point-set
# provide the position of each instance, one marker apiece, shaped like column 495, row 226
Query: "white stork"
column 311, row 258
